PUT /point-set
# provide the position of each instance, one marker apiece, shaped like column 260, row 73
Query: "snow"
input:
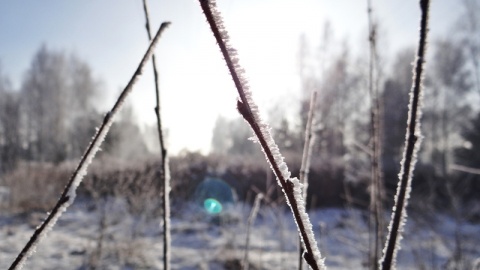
column 201, row 241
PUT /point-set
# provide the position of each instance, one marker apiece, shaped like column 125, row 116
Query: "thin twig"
column 412, row 145
column 155, row 74
column 165, row 177
column 97, row 256
column 249, row 110
column 376, row 173
column 251, row 219
column 69, row 192
column 306, row 157
column 308, row 145
column 466, row 169
column 364, row 148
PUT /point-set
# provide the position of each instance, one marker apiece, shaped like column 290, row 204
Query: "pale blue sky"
column 196, row 88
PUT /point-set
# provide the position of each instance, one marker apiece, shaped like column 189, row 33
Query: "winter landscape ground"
column 203, row 241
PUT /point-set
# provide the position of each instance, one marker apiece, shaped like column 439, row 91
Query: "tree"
column 44, row 104
column 10, row 144
column 450, row 82
column 468, row 26
column 125, row 140
column 341, row 116
column 232, row 137
column 83, row 117
column 57, row 99
column 468, row 154
column 220, row 141
column 394, row 115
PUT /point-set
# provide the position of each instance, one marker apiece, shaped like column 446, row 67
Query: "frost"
column 166, row 213
column 249, row 110
column 254, row 139
column 412, row 144
column 403, row 210
column 306, row 220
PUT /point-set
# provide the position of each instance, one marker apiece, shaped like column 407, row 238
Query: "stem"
column 165, row 177
column 376, row 173
column 412, row 145
column 251, row 219
column 69, row 192
column 306, row 157
column 466, row 169
column 249, row 111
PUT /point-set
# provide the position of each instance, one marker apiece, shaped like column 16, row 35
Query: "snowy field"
column 83, row 238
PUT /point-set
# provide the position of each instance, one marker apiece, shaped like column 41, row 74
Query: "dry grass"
column 35, row 186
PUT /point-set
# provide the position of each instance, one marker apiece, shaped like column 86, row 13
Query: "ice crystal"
column 250, row 111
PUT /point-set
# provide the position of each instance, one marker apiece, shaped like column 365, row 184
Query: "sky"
column 195, row 85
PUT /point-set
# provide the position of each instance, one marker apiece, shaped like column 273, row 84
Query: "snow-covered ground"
column 200, row 241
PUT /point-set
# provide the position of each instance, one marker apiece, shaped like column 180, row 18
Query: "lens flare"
column 212, row 206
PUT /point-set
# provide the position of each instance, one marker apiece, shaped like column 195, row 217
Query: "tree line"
column 54, row 113
column 450, row 123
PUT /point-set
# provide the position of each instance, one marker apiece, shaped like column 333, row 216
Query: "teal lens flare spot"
column 212, row 206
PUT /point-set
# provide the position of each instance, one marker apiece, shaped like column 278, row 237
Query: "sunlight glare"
column 212, row 206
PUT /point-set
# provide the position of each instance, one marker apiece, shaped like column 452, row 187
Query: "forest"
column 227, row 212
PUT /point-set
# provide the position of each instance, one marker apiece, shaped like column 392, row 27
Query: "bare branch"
column 69, row 192
column 306, row 157
column 251, row 219
column 249, row 110
column 165, row 175
column 376, row 186
column 308, row 145
column 466, row 169
column 412, row 144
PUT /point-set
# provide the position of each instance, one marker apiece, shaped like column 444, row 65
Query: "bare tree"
column 57, row 99
column 44, row 104
column 469, row 26
column 395, row 98
column 10, row 143
column 232, row 137
column 452, row 82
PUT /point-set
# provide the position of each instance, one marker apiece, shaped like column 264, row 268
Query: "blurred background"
column 62, row 65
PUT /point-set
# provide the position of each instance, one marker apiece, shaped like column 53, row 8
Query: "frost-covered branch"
column 291, row 187
column 166, row 211
column 69, row 193
column 306, row 157
column 165, row 175
column 412, row 144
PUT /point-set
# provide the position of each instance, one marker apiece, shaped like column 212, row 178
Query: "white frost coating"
column 297, row 192
column 248, row 102
column 403, row 218
column 254, row 139
column 82, row 170
column 413, row 118
column 166, row 208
